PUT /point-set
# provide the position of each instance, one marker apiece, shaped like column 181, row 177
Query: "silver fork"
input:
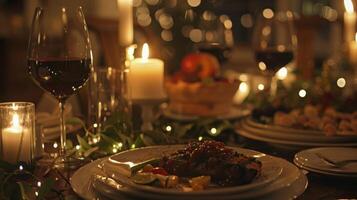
column 332, row 163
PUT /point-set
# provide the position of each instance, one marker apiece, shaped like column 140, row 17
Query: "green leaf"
column 23, row 189
column 107, row 139
column 45, row 188
column 90, row 151
column 84, row 144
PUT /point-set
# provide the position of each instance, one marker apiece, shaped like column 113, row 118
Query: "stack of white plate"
column 279, row 179
column 290, row 136
column 315, row 160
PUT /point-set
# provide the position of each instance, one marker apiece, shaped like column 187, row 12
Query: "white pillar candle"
column 349, row 21
column 125, row 28
column 146, row 77
column 11, row 139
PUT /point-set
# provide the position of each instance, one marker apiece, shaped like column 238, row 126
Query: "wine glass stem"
column 273, row 86
column 63, row 129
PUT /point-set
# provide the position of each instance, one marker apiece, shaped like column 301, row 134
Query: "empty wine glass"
column 60, row 57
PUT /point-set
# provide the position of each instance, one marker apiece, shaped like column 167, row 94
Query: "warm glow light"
column 262, row 66
column 356, row 37
column 145, row 51
column 282, row 73
column 200, row 138
column 261, row 87
column 243, row 87
column 341, row 82
column 268, row 13
column 194, row 3
column 302, row 93
column 213, row 131
column 348, row 6
column 168, row 128
column 15, row 123
column 243, row 77
column 130, row 52
column 55, row 145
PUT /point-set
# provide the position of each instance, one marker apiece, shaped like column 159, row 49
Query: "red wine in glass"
column 274, row 59
column 60, row 76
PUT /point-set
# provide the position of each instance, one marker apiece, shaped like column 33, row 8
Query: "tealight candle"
column 18, row 134
column 146, row 77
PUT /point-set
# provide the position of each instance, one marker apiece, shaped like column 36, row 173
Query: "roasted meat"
column 211, row 158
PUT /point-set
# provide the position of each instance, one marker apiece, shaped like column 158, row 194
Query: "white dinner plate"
column 296, row 136
column 270, row 171
column 289, row 185
column 234, row 113
column 309, row 159
column 290, row 143
column 290, row 174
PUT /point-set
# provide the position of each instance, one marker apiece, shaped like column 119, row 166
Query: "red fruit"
column 158, row 170
column 200, row 65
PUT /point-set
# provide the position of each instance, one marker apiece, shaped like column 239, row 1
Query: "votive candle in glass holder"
column 17, row 132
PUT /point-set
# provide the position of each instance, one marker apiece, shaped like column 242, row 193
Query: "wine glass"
column 274, row 43
column 60, row 58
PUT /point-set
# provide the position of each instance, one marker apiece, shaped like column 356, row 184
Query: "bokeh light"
column 246, row 20
column 282, row 73
column 166, row 35
column 262, row 66
column 341, row 82
column 194, row 3
column 261, row 87
column 302, row 93
column 196, row 35
column 268, row 13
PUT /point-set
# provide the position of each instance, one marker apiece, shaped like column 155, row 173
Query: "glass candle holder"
column 17, row 132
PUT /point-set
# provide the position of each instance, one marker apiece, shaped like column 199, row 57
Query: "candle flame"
column 15, row 123
column 348, row 6
column 145, row 51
